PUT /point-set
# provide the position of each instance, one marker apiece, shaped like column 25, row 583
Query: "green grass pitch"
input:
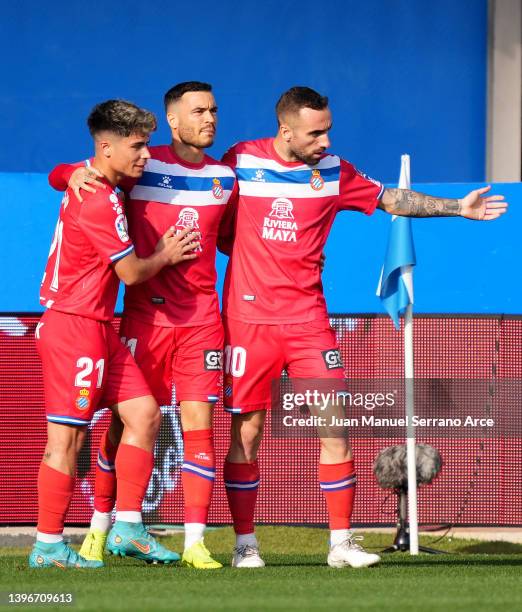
column 473, row 576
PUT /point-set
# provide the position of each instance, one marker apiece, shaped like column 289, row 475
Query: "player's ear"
column 285, row 131
column 172, row 120
column 105, row 148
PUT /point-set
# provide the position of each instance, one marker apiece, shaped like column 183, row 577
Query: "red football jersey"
column 90, row 236
column 284, row 215
column 173, row 192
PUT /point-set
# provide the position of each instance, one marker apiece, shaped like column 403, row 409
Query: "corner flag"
column 396, row 283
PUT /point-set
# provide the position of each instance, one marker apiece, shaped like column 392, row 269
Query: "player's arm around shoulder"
column 171, row 249
column 476, row 205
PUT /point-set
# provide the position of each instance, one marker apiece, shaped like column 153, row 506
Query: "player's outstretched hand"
column 85, row 178
column 478, row 207
column 178, row 247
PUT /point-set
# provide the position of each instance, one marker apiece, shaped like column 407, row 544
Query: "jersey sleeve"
column 60, row 176
column 227, row 226
column 102, row 219
column 230, row 158
column 357, row 191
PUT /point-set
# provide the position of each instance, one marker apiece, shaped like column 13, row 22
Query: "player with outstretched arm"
column 274, row 310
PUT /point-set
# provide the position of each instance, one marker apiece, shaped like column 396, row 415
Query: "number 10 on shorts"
column 235, row 360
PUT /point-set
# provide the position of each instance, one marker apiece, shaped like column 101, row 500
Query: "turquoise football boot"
column 133, row 540
column 59, row 555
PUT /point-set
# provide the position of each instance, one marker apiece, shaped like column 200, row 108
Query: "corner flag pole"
column 396, row 292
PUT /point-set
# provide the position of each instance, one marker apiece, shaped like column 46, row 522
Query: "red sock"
column 241, row 483
column 133, row 470
column 198, row 474
column 55, row 490
column 337, row 483
column 105, row 480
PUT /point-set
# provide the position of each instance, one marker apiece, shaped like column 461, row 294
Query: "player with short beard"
column 172, row 323
column 274, row 309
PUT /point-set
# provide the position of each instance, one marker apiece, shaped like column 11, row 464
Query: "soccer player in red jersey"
column 172, row 322
column 274, row 309
column 85, row 366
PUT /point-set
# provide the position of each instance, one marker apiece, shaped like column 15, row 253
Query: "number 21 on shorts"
column 86, row 367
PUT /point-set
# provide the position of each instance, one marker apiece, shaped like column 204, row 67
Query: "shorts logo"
column 217, row 189
column 82, row 401
column 121, row 228
column 213, row 360
column 227, row 385
column 332, row 359
column 316, row 180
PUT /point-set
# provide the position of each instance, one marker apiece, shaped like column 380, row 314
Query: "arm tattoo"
column 413, row 204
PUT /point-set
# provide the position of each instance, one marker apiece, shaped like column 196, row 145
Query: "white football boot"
column 350, row 554
column 247, row 556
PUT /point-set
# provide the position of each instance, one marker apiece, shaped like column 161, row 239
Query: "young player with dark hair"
column 85, row 366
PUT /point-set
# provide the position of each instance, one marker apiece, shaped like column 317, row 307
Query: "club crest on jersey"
column 121, row 228
column 217, row 189
column 188, row 219
column 82, row 401
column 280, row 223
column 316, row 180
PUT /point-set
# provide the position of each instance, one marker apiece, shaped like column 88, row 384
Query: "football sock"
column 129, row 516
column 338, row 536
column 101, row 521
column 55, row 490
column 133, row 471
column 193, row 533
column 337, row 483
column 197, row 474
column 197, row 478
column 49, row 538
column 246, row 539
column 105, row 479
column 241, row 483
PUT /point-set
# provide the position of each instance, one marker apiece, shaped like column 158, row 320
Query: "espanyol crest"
column 217, row 189
column 316, row 180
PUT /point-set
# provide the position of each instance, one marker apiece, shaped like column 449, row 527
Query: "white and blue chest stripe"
column 175, row 184
column 263, row 177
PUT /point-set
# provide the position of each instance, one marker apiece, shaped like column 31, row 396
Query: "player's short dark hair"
column 120, row 117
column 175, row 93
column 296, row 98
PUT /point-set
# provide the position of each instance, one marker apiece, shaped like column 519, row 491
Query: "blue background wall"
column 403, row 76
column 407, row 75
column 463, row 266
